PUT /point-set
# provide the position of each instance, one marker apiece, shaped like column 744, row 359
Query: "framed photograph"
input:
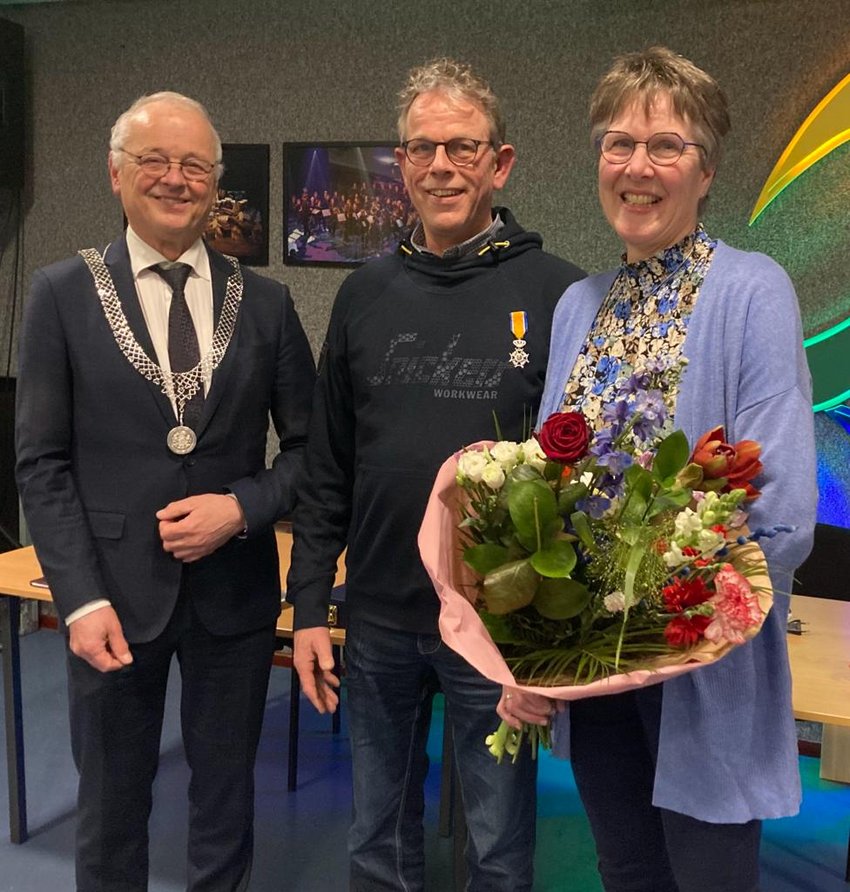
column 344, row 203
column 239, row 220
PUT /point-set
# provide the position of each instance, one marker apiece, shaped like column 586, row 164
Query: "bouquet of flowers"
column 575, row 565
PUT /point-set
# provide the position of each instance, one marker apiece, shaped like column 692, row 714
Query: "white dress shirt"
column 155, row 296
column 155, row 299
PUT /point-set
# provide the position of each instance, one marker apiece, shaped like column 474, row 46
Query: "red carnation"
column 685, row 593
column 684, row 632
column 564, row 437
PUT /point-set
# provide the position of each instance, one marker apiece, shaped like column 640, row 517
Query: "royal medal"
column 181, row 440
column 518, row 358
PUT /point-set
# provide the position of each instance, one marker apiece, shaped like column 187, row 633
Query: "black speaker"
column 9, row 530
column 11, row 105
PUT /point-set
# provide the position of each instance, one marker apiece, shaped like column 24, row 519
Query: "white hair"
column 138, row 111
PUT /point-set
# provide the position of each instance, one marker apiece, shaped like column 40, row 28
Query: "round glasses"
column 462, row 151
column 663, row 148
column 158, row 165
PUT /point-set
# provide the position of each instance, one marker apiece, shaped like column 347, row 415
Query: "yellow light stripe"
column 826, row 128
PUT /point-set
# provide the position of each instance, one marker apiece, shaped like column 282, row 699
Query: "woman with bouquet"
column 676, row 777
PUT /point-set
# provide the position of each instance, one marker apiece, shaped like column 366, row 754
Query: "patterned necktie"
column 183, row 351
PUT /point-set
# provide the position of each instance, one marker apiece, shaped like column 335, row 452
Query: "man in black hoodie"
column 426, row 351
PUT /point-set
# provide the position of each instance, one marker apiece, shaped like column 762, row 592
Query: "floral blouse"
column 644, row 317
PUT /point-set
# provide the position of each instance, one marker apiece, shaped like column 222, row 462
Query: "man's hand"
column 98, row 639
column 314, row 662
column 195, row 527
column 516, row 706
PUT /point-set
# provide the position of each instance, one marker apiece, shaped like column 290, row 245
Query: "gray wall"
column 294, row 70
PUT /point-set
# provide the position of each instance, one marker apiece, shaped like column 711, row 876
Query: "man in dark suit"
column 146, row 377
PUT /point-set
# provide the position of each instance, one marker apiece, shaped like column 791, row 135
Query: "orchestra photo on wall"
column 239, row 219
column 344, row 203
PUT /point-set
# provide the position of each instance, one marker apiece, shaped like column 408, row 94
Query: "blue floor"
column 300, row 836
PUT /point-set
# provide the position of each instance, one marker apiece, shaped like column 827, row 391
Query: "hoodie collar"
column 470, row 246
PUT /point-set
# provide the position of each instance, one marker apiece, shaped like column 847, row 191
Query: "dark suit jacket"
column 93, row 466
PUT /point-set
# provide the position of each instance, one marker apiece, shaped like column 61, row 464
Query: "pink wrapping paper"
column 462, row 629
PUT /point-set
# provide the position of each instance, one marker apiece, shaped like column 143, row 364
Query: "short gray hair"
column 457, row 80
column 643, row 76
column 137, row 111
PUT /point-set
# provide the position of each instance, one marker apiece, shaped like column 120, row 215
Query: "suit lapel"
column 117, row 260
column 220, row 270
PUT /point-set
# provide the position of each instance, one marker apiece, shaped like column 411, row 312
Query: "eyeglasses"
column 462, row 151
column 159, row 165
column 663, row 148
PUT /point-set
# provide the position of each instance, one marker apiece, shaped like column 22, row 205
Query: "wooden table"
column 820, row 668
column 17, row 569
column 820, row 671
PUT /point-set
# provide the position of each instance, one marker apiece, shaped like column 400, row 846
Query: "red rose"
column 682, row 632
column 727, row 466
column 564, row 437
column 685, row 593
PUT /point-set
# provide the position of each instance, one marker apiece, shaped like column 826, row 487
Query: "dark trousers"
column 391, row 677
column 116, row 721
column 641, row 848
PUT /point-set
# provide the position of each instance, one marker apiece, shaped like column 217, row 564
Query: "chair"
column 451, row 821
column 826, row 571
column 285, row 633
column 451, row 816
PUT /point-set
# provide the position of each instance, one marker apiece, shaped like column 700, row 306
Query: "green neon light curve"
column 827, row 353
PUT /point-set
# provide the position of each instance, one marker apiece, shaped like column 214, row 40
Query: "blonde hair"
column 642, row 77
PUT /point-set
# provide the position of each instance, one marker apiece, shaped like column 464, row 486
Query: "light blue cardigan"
column 728, row 747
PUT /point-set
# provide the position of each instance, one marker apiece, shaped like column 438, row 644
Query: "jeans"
column 391, row 678
column 643, row 848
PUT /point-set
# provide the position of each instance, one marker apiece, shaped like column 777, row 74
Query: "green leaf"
column 672, row 456
column 533, row 509
column 552, row 470
column 639, row 480
column 510, row 587
column 485, row 557
column 581, row 524
column 499, row 628
column 675, row 498
column 569, row 497
column 555, row 560
column 561, row 598
column 639, row 484
column 690, row 476
column 524, row 472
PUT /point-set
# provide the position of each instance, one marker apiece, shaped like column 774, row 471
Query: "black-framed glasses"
column 462, row 151
column 158, row 165
column 617, row 147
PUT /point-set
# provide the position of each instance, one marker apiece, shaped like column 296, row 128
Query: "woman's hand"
column 516, row 706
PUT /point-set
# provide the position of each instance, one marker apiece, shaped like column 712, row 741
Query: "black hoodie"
column 416, row 364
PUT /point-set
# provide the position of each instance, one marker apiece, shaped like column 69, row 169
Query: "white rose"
column 493, row 476
column 471, row 465
column 533, row 455
column 506, row 453
column 615, row 602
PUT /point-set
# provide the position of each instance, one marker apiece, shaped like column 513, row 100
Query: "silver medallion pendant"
column 181, row 440
column 518, row 358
